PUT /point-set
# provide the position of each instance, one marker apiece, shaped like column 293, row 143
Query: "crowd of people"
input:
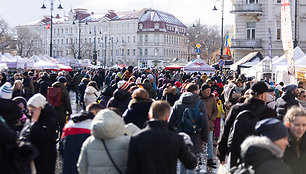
column 149, row 121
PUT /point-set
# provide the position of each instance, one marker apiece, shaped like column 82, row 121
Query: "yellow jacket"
column 220, row 109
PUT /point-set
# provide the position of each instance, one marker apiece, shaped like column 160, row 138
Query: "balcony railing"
column 247, row 8
column 254, row 44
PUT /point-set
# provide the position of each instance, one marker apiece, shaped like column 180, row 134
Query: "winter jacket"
column 93, row 157
column 28, row 87
column 264, row 156
column 120, row 100
column 106, row 94
column 189, row 100
column 42, row 134
column 137, row 112
column 271, row 101
column 10, row 112
column 43, row 84
column 170, row 97
column 75, row 132
column 77, row 79
column 220, row 109
column 65, row 108
column 251, row 104
column 295, row 162
column 285, row 102
column 227, row 90
column 212, row 110
column 149, row 88
column 234, row 95
column 156, row 149
column 91, row 95
column 302, row 103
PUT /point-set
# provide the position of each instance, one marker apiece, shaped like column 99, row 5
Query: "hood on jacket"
column 58, row 84
column 270, row 98
column 121, row 94
column 107, row 91
column 288, row 95
column 90, row 90
column 256, row 149
column 107, row 125
column 188, row 98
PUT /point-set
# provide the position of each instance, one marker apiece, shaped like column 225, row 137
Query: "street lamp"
column 95, row 47
column 112, row 52
column 222, row 19
column 51, row 20
column 77, row 17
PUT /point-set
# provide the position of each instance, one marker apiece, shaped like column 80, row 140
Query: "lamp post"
column 112, row 52
column 222, row 38
column 94, row 57
column 77, row 17
column 295, row 42
column 105, row 51
column 51, row 21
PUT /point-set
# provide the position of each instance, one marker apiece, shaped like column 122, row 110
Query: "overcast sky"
column 17, row 12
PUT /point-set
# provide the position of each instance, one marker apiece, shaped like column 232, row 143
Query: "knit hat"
column 289, row 88
column 62, row 79
column 6, row 91
column 204, row 86
column 150, row 77
column 178, row 84
column 259, row 87
column 138, row 81
column 122, row 84
column 272, row 128
column 37, row 100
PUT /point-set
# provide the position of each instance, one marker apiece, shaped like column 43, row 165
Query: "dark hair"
column 281, row 83
column 94, row 106
column 192, row 87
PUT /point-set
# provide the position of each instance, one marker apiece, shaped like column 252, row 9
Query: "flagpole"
column 51, row 22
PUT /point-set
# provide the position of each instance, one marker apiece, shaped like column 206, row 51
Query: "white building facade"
column 254, row 18
column 147, row 38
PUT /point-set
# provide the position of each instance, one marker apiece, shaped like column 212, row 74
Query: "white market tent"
column 3, row 67
column 247, row 61
column 199, row 65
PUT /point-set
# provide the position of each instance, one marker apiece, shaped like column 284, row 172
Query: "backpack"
column 244, row 126
column 191, row 122
column 241, row 169
column 54, row 96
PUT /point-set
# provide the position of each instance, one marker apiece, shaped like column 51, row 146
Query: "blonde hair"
column 294, row 112
column 159, row 109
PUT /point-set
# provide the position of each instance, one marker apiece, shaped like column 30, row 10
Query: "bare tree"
column 6, row 39
column 27, row 42
column 85, row 48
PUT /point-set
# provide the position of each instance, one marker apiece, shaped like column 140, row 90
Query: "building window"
column 62, row 41
column 278, row 1
column 128, row 38
column 278, row 34
column 140, row 26
column 89, row 40
column 122, row 54
column 251, row 30
column 134, row 38
column 251, row 1
column 146, row 52
column 128, row 52
column 156, row 26
column 156, row 38
column 134, row 52
column 140, row 52
column 146, row 38
column 140, row 39
column 122, row 39
column 67, row 41
column 156, row 53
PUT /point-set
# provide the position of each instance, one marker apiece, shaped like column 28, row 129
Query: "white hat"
column 150, row 77
column 37, row 100
column 138, row 81
column 122, row 84
column 6, row 91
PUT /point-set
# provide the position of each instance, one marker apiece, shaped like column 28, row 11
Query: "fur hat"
column 204, row 86
column 6, row 91
column 272, row 128
column 122, row 84
column 37, row 100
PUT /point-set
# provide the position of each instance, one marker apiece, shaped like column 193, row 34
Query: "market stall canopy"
column 173, row 67
column 119, row 66
column 42, row 64
column 247, row 61
column 198, row 65
column 3, row 67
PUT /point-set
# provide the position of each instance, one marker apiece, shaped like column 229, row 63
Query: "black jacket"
column 189, row 100
column 264, row 156
column 137, row 112
column 285, row 102
column 42, row 85
column 10, row 112
column 251, row 104
column 120, row 100
column 156, row 149
column 42, row 134
column 297, row 164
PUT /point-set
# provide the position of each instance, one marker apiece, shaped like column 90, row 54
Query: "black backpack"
column 191, row 122
column 244, row 126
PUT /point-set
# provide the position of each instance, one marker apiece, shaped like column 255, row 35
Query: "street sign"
column 198, row 45
column 198, row 50
column 221, row 62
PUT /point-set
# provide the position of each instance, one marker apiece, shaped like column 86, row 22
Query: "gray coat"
column 189, row 100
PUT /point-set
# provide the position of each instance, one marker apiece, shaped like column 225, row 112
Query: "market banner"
column 287, row 35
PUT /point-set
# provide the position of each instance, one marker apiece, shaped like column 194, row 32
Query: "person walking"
column 158, row 146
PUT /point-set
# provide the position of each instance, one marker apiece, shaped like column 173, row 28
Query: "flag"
column 48, row 26
column 287, row 35
column 227, row 45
